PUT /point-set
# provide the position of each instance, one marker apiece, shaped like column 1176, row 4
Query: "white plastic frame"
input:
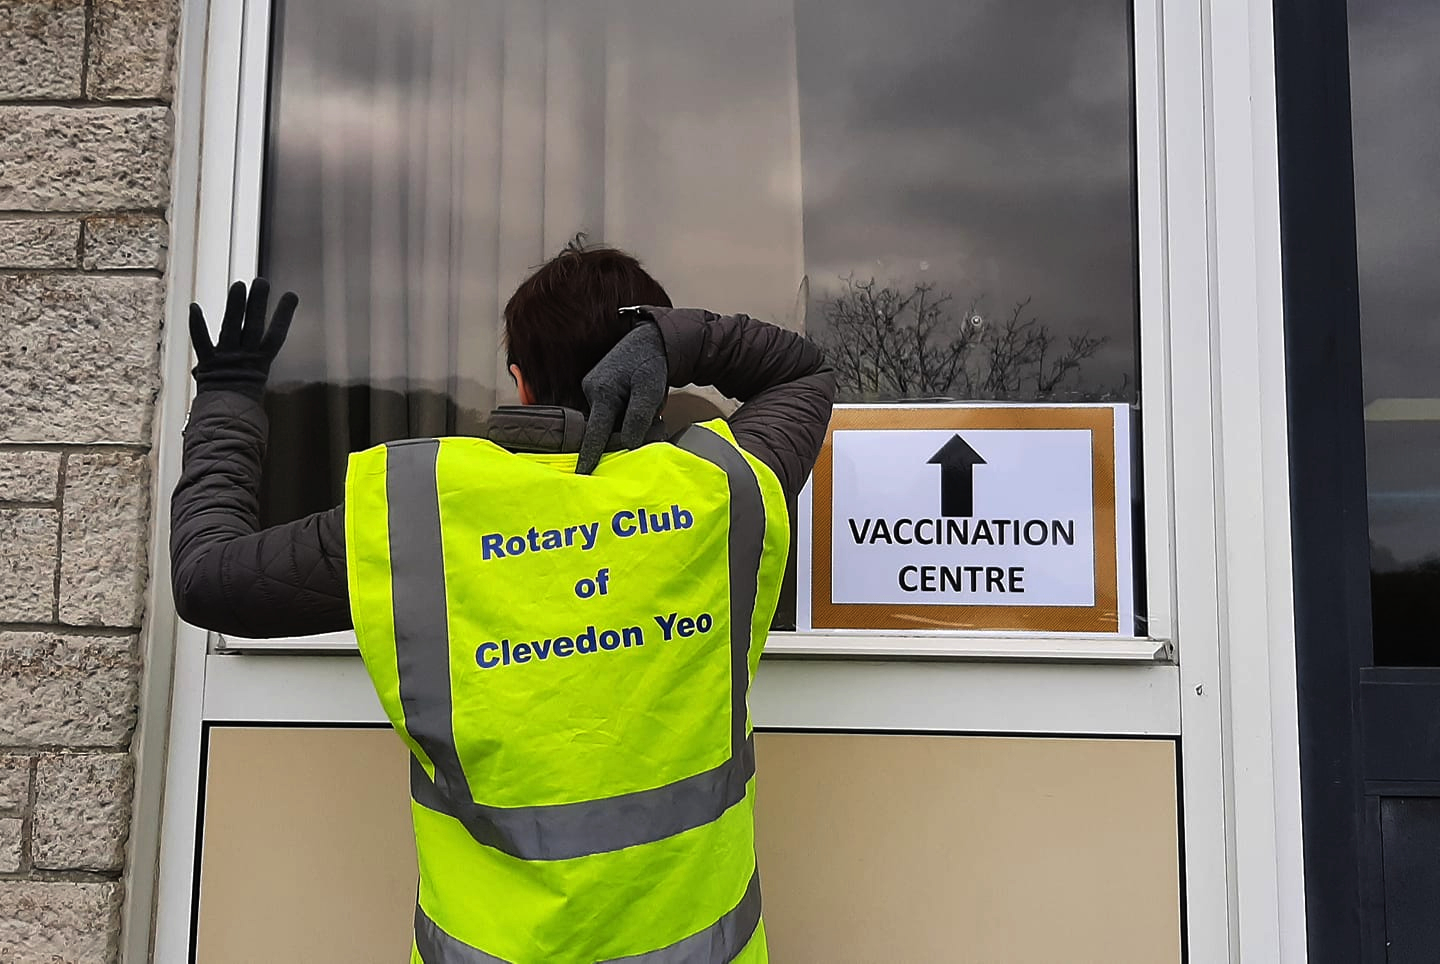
column 1217, row 569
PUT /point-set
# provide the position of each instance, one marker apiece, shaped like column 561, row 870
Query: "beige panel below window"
column 307, row 854
column 873, row 849
column 982, row 850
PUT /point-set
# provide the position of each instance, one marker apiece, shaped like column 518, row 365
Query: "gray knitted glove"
column 632, row 380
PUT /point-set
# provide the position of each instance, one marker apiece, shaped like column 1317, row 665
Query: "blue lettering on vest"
column 684, row 626
column 627, row 522
column 588, row 641
column 623, row 524
column 489, row 655
column 497, row 545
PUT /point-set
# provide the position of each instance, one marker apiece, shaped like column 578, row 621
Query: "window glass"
column 941, row 193
column 1394, row 76
column 968, row 173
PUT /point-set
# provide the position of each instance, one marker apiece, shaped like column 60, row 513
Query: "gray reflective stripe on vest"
column 747, row 542
column 565, row 830
column 422, row 627
column 558, row 831
column 437, row 947
column 717, row 944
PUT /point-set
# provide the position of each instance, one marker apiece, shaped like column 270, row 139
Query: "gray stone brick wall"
column 85, row 155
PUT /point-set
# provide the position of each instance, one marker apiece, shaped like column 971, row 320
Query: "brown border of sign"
column 1103, row 617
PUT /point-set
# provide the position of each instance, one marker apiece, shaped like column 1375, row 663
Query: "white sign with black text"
column 1013, row 518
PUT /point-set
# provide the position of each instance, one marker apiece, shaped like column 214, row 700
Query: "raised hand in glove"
column 627, row 387
column 240, row 361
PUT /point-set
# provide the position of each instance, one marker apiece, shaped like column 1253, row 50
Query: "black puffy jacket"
column 231, row 576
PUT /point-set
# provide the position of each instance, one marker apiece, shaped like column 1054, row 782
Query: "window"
column 1397, row 202
column 852, row 169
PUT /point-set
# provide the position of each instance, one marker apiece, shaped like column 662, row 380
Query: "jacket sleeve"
column 785, row 384
column 228, row 574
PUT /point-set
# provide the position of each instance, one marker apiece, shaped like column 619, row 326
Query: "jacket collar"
column 548, row 430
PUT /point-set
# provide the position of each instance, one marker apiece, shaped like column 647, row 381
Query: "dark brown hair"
column 566, row 316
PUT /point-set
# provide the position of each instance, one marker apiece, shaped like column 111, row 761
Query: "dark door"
column 1359, row 96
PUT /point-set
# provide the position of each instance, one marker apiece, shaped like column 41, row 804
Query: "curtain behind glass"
column 424, row 157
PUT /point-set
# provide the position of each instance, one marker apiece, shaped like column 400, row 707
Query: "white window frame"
column 1216, row 570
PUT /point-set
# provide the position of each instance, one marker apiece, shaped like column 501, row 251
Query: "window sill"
column 1077, row 648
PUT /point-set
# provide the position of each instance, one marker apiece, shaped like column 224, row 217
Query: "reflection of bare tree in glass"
column 889, row 343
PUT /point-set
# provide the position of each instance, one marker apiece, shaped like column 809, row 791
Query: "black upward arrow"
column 957, row 461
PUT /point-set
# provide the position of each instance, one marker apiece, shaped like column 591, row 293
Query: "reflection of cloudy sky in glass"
column 1394, row 78
column 984, row 146
column 981, row 144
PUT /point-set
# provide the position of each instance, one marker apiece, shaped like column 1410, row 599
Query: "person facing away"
column 561, row 621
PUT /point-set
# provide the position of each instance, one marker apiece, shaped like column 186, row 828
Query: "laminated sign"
column 1008, row 518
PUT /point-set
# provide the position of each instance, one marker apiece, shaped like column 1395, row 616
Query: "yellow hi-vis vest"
column 568, row 660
